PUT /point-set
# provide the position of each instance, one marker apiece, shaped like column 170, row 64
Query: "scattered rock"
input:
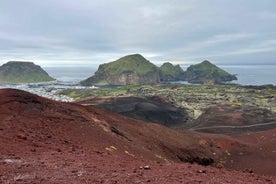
column 21, row 136
column 201, row 171
column 248, row 171
column 146, row 167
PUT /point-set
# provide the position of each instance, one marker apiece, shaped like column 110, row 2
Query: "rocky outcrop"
column 23, row 72
column 132, row 69
column 207, row 73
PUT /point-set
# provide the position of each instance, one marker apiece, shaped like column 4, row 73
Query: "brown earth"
column 43, row 141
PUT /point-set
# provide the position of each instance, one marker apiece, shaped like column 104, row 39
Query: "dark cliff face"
column 23, row 72
column 207, row 72
column 132, row 69
column 100, row 75
column 130, row 77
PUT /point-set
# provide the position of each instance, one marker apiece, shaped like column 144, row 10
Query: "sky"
column 90, row 32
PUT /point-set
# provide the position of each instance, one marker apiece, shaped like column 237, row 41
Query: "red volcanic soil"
column 259, row 154
column 44, row 141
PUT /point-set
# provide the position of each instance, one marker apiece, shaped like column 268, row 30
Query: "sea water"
column 246, row 74
column 253, row 74
column 70, row 74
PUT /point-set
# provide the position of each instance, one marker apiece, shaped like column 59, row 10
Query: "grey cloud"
column 100, row 30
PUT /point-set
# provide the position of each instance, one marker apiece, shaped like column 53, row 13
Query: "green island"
column 15, row 72
column 206, row 72
column 132, row 69
column 135, row 69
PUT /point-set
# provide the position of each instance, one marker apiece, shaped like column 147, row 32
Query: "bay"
column 70, row 74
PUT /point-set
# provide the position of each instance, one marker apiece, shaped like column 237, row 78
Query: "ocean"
column 253, row 74
column 70, row 74
column 247, row 74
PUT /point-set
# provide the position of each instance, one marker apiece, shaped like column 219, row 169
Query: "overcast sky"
column 89, row 32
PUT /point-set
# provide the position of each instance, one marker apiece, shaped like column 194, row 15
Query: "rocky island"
column 131, row 69
column 15, row 72
column 207, row 73
column 136, row 70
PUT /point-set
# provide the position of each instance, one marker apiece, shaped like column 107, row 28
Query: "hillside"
column 53, row 142
column 131, row 69
column 198, row 106
column 23, row 72
column 207, row 72
column 169, row 72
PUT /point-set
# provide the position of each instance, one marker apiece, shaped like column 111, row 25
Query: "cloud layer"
column 86, row 32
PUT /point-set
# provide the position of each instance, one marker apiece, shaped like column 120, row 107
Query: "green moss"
column 272, row 91
column 102, row 83
column 112, row 91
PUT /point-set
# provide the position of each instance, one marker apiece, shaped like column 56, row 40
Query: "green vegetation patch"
column 136, row 63
column 169, row 69
column 207, row 71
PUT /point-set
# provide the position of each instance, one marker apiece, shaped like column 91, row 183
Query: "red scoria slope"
column 44, row 141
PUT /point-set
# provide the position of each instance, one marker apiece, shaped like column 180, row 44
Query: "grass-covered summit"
column 169, row 72
column 135, row 62
column 23, row 72
column 206, row 72
column 131, row 69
